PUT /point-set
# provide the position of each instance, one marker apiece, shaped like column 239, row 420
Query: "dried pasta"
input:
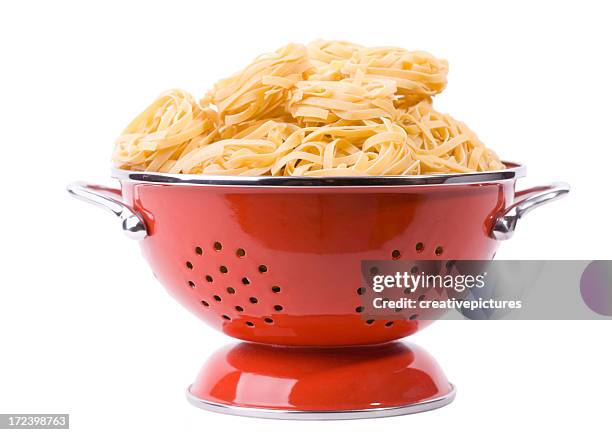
column 330, row 108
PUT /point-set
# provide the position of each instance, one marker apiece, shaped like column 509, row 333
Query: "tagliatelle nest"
column 327, row 109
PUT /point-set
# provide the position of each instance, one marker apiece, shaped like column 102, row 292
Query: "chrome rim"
column 513, row 170
column 281, row 414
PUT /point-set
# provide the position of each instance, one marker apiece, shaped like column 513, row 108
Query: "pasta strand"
column 330, row 108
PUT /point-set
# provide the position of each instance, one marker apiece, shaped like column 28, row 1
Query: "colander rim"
column 513, row 170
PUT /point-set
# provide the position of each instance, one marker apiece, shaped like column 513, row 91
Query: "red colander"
column 276, row 261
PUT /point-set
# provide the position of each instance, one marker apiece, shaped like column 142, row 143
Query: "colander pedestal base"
column 321, row 383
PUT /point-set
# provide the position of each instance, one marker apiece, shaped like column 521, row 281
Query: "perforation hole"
column 240, row 252
column 230, row 290
column 361, row 290
column 223, row 269
column 208, row 278
column 407, row 291
column 249, row 324
column 206, row 304
column 414, row 317
column 414, row 270
column 226, row 317
column 191, row 284
column 217, row 246
column 420, row 247
column 359, row 309
column 396, row 254
column 253, row 300
column 239, row 308
column 246, row 281
column 421, row 298
column 188, row 265
column 374, row 271
column 450, row 264
column 198, row 250
column 439, row 250
column 268, row 320
column 276, row 289
column 389, row 324
column 262, row 268
column 217, row 298
column 278, row 307
column 369, row 321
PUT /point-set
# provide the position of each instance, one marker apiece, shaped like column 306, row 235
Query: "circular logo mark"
column 596, row 287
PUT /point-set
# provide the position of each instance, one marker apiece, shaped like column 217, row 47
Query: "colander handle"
column 109, row 199
column 525, row 201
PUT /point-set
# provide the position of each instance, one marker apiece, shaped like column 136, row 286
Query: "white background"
column 86, row 330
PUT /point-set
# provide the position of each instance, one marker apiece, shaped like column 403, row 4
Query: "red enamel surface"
column 320, row 379
column 311, row 242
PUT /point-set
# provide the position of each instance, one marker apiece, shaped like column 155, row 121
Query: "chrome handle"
column 527, row 200
column 109, row 199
